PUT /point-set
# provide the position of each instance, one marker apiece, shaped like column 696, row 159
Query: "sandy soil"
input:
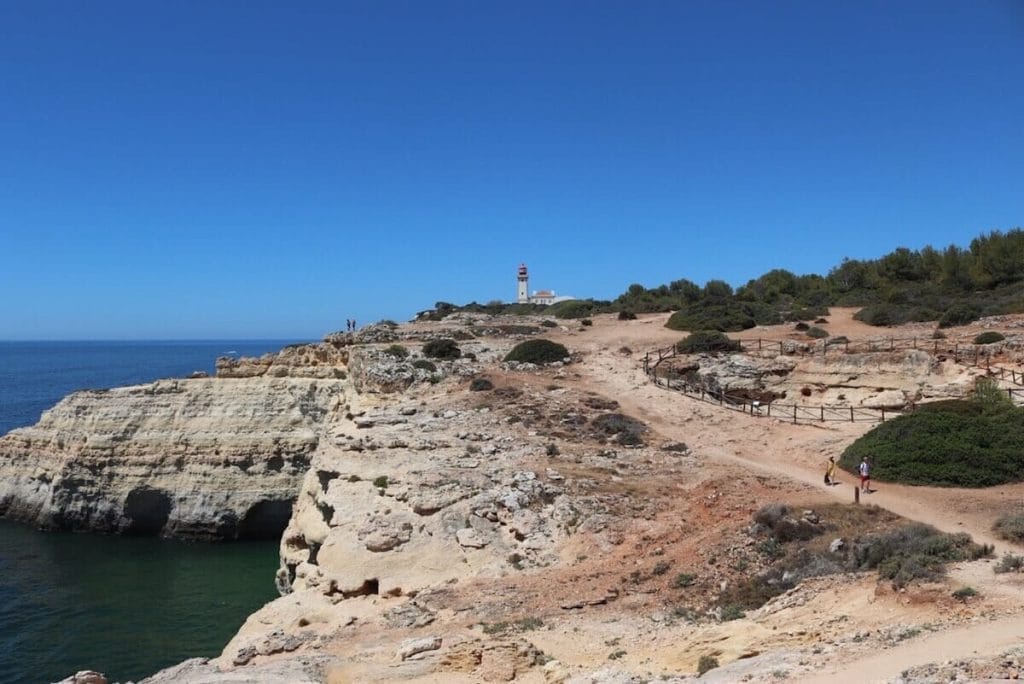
column 790, row 458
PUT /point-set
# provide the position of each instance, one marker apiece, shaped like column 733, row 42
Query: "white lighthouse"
column 523, row 293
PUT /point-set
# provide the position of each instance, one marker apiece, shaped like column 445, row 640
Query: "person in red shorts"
column 865, row 475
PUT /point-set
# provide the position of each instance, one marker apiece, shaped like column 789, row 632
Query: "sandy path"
column 797, row 453
column 969, row 641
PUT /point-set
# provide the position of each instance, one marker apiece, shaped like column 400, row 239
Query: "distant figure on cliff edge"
column 865, row 475
column 830, row 471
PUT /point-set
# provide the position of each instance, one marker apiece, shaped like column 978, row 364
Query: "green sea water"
column 125, row 606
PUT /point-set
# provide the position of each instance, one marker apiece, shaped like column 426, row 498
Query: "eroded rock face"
column 877, row 380
column 327, row 359
column 198, row 458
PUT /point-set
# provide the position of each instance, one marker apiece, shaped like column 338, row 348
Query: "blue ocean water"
column 123, row 606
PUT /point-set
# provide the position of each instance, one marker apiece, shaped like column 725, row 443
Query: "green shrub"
column 617, row 425
column 442, row 349
column 573, row 308
column 586, row 322
column 381, row 482
column 538, row 352
column 423, row 364
column 683, row 580
column 914, row 551
column 721, row 315
column 397, row 351
column 706, row 341
column 817, row 333
column 706, row 663
column 955, row 443
column 1010, row 527
column 732, row 611
column 964, row 593
column 960, row 313
column 627, row 315
column 801, row 327
column 1010, row 562
column 938, row 335
column 480, row 385
column 547, row 323
column 989, row 337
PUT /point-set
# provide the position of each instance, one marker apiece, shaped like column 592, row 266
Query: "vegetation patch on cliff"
column 977, row 442
column 538, row 352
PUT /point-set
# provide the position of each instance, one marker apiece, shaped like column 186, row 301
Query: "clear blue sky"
column 269, row 169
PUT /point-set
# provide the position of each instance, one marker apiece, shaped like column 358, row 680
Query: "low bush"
column 706, row 341
column 964, row 593
column 381, row 482
column 1010, row 527
column 538, row 352
column 547, row 323
column 683, row 580
column 895, row 314
column 573, row 308
column 442, row 349
column 1010, row 562
column 733, row 611
column 423, row 364
column 960, row 313
column 622, row 429
column 989, row 337
column 724, row 316
column 627, row 315
column 706, row 664
column 938, row 335
column 914, row 551
column 821, row 321
column 955, row 443
column 480, row 385
column 801, row 327
column 817, row 333
column 586, row 322
column 397, row 351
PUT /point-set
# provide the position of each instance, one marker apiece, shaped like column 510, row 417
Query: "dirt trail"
column 957, row 643
column 773, row 447
column 797, row 454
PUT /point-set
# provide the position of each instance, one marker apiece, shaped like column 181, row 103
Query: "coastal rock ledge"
column 204, row 458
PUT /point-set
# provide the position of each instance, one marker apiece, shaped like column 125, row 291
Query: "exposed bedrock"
column 200, row 458
column 887, row 379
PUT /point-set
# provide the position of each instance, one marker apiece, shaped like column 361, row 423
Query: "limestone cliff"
column 200, row 458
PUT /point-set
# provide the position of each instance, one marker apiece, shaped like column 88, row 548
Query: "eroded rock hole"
column 265, row 520
column 369, row 587
column 147, row 510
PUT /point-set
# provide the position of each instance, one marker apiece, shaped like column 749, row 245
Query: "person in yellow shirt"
column 830, row 471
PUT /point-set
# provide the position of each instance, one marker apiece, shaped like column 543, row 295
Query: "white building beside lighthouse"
column 523, row 295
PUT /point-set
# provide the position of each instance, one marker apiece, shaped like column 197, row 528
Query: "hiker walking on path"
column 830, row 471
column 865, row 474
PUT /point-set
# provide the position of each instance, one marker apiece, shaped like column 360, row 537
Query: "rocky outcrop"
column 199, row 458
column 877, row 380
column 327, row 359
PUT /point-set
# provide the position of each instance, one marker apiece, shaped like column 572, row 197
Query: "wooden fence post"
column 851, row 415
column 823, row 414
column 794, row 414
